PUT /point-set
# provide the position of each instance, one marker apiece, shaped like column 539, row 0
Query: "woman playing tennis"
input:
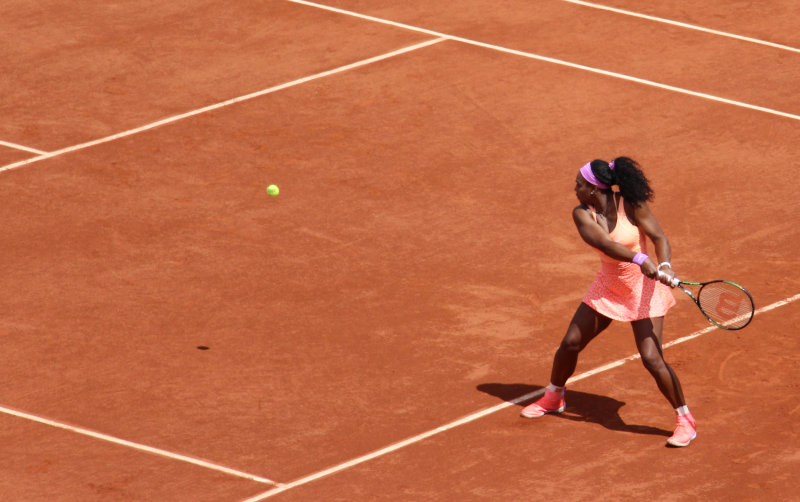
column 629, row 287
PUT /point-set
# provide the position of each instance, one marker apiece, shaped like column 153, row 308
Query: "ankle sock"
column 555, row 388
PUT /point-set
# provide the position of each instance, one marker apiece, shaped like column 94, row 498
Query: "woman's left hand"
column 666, row 275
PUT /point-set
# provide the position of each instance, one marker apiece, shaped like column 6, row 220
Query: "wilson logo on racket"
column 724, row 303
column 729, row 305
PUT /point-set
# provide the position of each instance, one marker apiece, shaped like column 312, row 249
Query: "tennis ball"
column 273, row 190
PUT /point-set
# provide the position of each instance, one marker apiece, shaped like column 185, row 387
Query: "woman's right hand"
column 650, row 269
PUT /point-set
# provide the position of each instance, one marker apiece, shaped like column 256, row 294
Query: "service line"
column 488, row 411
column 216, row 106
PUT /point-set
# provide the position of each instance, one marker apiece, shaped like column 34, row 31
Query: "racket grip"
column 675, row 280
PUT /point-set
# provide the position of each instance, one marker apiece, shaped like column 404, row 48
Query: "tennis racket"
column 724, row 303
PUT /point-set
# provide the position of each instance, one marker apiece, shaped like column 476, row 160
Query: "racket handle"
column 675, row 280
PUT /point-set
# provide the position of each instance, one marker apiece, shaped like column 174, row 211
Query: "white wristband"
column 664, row 263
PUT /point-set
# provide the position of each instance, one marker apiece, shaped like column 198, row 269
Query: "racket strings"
column 726, row 304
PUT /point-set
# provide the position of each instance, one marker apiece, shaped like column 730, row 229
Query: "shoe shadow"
column 581, row 407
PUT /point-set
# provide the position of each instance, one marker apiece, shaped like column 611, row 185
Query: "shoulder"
column 637, row 213
column 581, row 210
column 582, row 215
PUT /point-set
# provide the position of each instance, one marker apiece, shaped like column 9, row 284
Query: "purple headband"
column 588, row 175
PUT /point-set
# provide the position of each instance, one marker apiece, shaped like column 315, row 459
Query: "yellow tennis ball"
column 273, row 190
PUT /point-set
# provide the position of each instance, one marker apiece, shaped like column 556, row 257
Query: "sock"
column 683, row 410
column 555, row 388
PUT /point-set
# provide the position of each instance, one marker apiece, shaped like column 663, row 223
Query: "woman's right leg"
column 585, row 325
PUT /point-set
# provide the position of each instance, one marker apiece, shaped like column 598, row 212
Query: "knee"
column 571, row 343
column 653, row 361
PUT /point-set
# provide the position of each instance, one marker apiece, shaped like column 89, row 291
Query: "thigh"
column 648, row 336
column 586, row 324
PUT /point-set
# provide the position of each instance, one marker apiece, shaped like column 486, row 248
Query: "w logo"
column 729, row 305
column 725, row 304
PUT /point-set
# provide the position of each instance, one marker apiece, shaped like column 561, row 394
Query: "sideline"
column 21, row 147
column 137, row 446
column 547, row 59
column 683, row 25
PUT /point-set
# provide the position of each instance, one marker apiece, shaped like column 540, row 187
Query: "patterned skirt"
column 621, row 292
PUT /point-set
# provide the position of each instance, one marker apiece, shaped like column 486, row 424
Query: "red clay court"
column 373, row 331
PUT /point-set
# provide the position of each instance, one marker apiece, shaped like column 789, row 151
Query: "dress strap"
column 620, row 207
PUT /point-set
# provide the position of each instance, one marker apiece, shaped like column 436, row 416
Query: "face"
column 583, row 189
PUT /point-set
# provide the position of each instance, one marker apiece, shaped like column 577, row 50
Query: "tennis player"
column 627, row 287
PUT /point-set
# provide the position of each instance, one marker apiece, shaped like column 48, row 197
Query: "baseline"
column 547, row 59
column 488, row 411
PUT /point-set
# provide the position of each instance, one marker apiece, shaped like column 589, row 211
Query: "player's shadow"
column 581, row 407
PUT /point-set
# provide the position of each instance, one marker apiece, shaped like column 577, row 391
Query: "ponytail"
column 627, row 175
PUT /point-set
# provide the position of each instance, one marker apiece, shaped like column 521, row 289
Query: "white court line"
column 47, row 155
column 20, row 147
column 538, row 57
column 175, row 118
column 440, row 37
column 137, row 446
column 488, row 411
column 683, row 25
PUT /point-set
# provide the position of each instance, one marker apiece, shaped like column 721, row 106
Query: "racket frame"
column 680, row 284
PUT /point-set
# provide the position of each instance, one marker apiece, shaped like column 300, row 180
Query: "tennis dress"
column 620, row 291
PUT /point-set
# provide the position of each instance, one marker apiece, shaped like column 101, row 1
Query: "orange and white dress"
column 620, row 291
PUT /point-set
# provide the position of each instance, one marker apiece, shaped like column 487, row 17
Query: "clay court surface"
column 370, row 330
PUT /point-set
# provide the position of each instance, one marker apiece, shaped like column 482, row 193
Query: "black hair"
column 628, row 176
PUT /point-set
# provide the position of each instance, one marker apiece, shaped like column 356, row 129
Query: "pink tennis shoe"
column 552, row 402
column 685, row 432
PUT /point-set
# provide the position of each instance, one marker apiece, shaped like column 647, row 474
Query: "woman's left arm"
column 648, row 224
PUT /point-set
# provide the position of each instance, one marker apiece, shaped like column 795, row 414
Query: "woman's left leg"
column 648, row 341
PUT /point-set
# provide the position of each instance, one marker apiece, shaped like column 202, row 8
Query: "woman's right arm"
column 596, row 237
